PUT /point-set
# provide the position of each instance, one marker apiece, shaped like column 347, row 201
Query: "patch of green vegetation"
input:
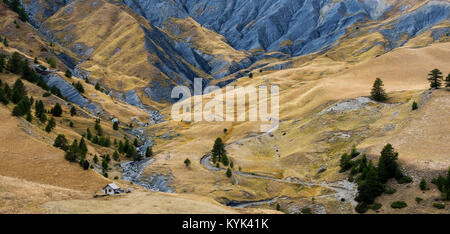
column 399, row 205
column 371, row 179
column 439, row 205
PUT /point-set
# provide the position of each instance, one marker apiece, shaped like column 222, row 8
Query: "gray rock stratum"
column 286, row 28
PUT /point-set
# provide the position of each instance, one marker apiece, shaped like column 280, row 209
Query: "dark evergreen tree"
column 435, row 78
column 2, row 62
column 73, row 111
column 229, row 173
column 116, row 125
column 3, row 97
column 387, row 165
column 22, row 108
column 18, row 91
column 50, row 125
column 98, row 127
column 55, row 91
column 15, row 63
column 378, row 93
column 88, row 134
column 187, row 162
column 218, row 150
column 83, row 147
column 56, row 110
column 61, row 142
column 116, row 156
column 414, row 106
column 149, row 152
column 423, row 184
column 68, row 73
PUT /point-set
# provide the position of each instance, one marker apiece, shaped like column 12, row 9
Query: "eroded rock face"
column 286, row 28
column 291, row 26
column 66, row 89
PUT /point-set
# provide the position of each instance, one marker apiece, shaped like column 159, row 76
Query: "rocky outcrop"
column 71, row 93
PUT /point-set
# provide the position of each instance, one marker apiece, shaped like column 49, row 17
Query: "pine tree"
column 3, row 97
column 50, row 125
column 15, row 63
column 73, row 111
column 387, row 164
column 68, row 74
column 435, row 78
column 148, row 152
column 95, row 159
column 187, row 162
column 116, row 156
column 88, row 134
column 423, row 184
column 229, row 173
column 2, row 62
column 56, row 110
column 415, row 106
column 18, row 91
column 83, row 147
column 98, row 127
column 116, row 125
column 22, row 108
column 61, row 142
column 218, row 150
column 378, row 93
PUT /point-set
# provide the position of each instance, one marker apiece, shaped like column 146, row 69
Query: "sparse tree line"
column 371, row 179
column 435, row 78
column 16, row 6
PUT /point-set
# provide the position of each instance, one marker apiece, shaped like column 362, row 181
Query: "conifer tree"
column 148, row 152
column 378, row 93
column 73, row 111
column 56, row 110
column 387, row 165
column 187, row 162
column 18, row 91
column 15, row 63
column 50, row 125
column 218, row 150
column 435, row 78
column 61, row 142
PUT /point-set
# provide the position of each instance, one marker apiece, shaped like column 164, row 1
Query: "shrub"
column 439, row 205
column 229, row 173
column 390, row 190
column 306, row 210
column 423, row 185
column 404, row 180
column 419, row 199
column 414, row 106
column 68, row 74
column 361, row 208
column 375, row 206
column 187, row 162
column 399, row 205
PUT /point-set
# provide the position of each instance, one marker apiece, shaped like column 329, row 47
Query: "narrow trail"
column 344, row 190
